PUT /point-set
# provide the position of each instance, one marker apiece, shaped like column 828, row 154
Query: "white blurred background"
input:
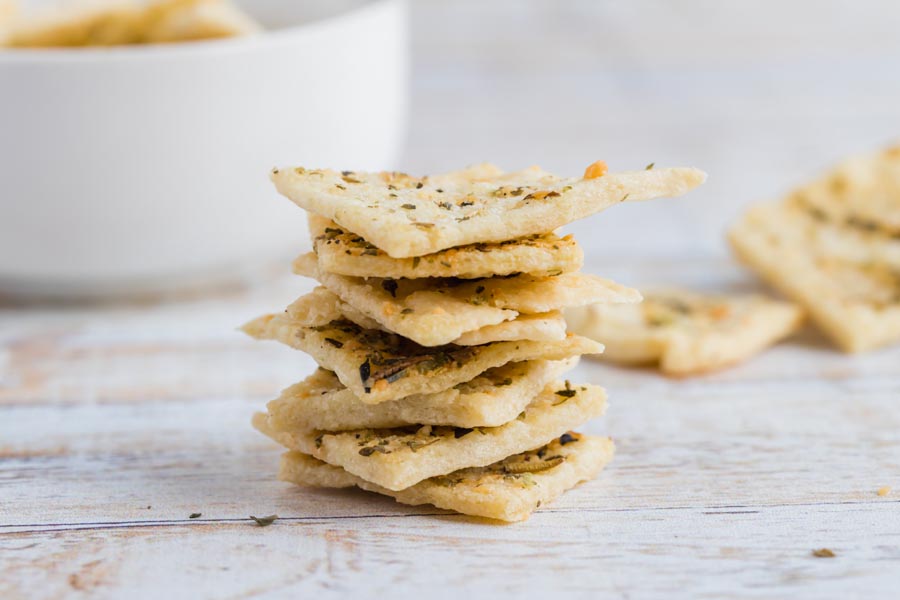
column 761, row 95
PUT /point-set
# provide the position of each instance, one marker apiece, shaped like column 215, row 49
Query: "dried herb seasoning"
column 650, row 167
column 334, row 342
column 193, row 515
column 415, row 445
column 264, row 521
column 527, row 466
column 567, row 438
column 568, row 392
column 408, row 206
column 365, row 370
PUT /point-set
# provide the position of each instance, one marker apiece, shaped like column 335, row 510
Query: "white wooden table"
column 118, row 422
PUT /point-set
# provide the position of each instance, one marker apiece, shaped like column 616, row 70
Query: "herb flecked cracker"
column 321, row 307
column 509, row 490
column 861, row 193
column 398, row 458
column 433, row 312
column 379, row 366
column 411, row 216
column 845, row 280
column 686, row 332
column 491, row 399
column 345, row 253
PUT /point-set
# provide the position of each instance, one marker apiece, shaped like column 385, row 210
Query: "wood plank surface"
column 119, row 422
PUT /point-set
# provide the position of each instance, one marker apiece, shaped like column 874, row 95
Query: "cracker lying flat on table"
column 687, row 332
column 491, row 399
column 321, row 307
column 433, row 312
column 862, row 192
column 509, row 490
column 345, row 253
column 378, row 366
column 398, row 458
column 410, row 216
column 857, row 304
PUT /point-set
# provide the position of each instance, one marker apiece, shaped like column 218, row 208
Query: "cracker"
column 321, row 306
column 401, row 457
column 86, row 23
column 408, row 216
column 855, row 302
column 494, row 397
column 509, row 490
column 345, row 253
column 433, row 312
column 123, row 22
column 168, row 21
column 862, row 192
column 686, row 332
column 378, row 366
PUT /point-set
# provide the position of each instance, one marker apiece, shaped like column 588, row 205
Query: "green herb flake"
column 264, row 521
column 568, row 392
column 650, row 167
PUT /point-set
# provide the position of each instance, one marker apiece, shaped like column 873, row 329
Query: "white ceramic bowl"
column 138, row 168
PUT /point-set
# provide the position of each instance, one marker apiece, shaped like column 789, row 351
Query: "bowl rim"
column 266, row 38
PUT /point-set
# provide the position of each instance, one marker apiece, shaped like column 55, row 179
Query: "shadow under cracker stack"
column 439, row 334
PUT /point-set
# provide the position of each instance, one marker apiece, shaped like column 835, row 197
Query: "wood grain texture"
column 118, row 422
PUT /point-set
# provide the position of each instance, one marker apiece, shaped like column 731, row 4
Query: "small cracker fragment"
column 687, row 332
column 433, row 312
column 491, row 399
column 379, row 366
column 845, row 279
column 414, row 216
column 345, row 253
column 502, row 491
column 398, row 458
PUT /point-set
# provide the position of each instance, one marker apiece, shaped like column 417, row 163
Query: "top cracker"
column 413, row 216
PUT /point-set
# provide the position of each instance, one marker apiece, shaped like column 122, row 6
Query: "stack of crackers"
column 833, row 246
column 439, row 333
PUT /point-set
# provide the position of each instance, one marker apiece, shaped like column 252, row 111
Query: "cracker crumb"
column 823, row 553
column 884, row 491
